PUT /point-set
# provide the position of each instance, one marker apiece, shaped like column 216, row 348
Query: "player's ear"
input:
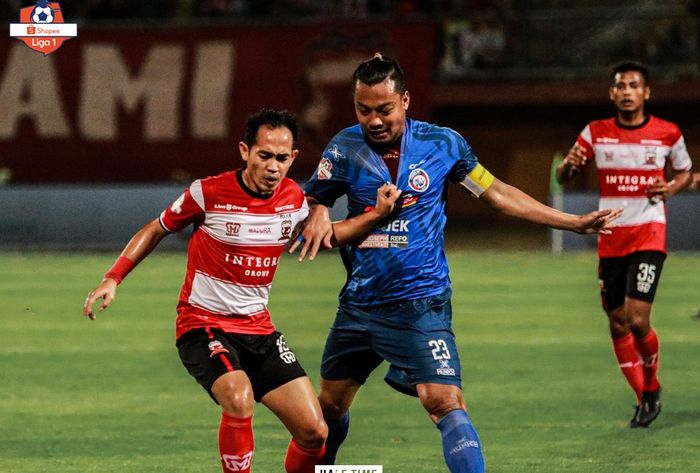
column 647, row 92
column 244, row 150
column 405, row 100
column 295, row 153
column 611, row 93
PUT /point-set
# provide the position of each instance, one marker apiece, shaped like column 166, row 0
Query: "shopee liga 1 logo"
column 41, row 27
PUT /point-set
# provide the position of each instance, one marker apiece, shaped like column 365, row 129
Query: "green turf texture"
column 539, row 376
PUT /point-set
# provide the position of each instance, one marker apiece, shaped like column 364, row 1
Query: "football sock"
column 460, row 443
column 648, row 347
column 630, row 363
column 337, row 432
column 302, row 460
column 235, row 443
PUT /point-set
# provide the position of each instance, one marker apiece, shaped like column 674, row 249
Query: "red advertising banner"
column 159, row 104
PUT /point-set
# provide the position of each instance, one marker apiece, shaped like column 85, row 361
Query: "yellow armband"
column 478, row 180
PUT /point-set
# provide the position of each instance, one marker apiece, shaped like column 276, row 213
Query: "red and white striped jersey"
column 234, row 251
column 627, row 160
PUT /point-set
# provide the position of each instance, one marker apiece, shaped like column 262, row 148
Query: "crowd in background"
column 478, row 36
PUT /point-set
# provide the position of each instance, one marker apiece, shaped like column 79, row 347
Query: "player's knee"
column 439, row 406
column 619, row 324
column 639, row 324
column 235, row 401
column 312, row 435
column 333, row 409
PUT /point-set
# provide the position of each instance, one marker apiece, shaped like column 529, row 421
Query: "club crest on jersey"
column 216, row 348
column 650, row 157
column 324, row 169
column 286, row 229
column 419, row 180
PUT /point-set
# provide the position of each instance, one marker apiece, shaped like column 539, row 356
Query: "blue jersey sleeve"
column 331, row 178
column 466, row 159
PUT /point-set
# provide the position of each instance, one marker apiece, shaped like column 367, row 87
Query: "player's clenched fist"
column 387, row 195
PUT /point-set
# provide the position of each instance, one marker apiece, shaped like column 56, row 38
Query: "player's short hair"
column 627, row 66
column 270, row 118
column 378, row 69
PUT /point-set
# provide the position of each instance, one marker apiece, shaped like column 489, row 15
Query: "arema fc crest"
column 42, row 28
column 419, row 180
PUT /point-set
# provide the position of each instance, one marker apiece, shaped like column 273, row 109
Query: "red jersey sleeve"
column 585, row 141
column 187, row 209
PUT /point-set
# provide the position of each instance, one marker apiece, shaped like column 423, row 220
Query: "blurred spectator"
column 9, row 9
column 474, row 36
column 127, row 9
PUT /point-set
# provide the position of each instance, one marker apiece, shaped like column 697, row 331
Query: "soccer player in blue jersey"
column 395, row 305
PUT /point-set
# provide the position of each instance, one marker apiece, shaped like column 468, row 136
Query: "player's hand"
column 599, row 221
column 657, row 190
column 576, row 157
column 105, row 291
column 316, row 230
column 387, row 195
column 695, row 182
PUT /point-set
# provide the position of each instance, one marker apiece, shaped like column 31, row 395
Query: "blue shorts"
column 415, row 337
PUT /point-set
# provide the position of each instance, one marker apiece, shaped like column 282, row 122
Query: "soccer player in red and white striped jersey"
column 243, row 219
column 632, row 152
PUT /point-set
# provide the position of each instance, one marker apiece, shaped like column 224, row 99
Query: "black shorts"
column 266, row 359
column 635, row 276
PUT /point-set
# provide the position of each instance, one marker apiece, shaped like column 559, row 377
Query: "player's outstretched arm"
column 513, row 202
column 140, row 246
column 345, row 231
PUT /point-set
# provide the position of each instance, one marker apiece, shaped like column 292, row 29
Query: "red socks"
column 648, row 348
column 303, row 460
column 236, row 443
column 236, row 448
column 630, row 363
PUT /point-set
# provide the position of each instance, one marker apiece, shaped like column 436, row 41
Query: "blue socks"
column 337, row 431
column 460, row 443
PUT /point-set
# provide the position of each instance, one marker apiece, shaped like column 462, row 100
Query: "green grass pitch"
column 539, row 376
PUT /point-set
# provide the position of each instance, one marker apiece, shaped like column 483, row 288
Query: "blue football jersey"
column 405, row 258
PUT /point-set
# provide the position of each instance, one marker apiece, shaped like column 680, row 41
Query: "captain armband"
column 478, row 180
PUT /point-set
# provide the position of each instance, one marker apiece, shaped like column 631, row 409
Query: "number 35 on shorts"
column 645, row 277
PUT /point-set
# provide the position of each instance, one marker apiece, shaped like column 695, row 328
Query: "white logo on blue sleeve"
column 335, row 152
